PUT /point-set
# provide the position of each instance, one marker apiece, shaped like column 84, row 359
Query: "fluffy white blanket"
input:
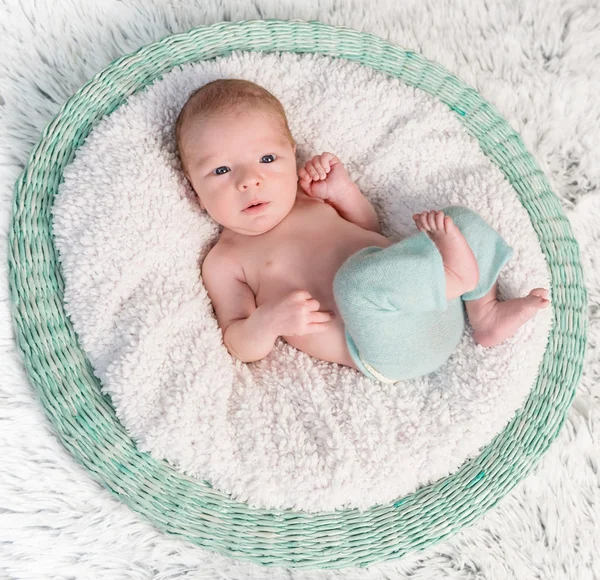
column 290, row 430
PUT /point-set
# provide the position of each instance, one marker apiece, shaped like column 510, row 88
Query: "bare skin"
column 492, row 321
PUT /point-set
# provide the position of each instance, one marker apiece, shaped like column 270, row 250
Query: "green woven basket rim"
column 86, row 422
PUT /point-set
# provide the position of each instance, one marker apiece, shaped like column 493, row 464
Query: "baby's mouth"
column 257, row 206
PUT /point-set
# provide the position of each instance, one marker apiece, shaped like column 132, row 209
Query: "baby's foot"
column 502, row 319
column 460, row 264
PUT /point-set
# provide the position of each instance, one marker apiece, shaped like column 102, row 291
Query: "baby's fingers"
column 303, row 174
column 320, row 169
column 325, row 161
column 305, row 185
column 328, row 160
column 311, row 171
column 321, row 164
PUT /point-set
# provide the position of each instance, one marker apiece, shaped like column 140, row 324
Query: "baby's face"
column 234, row 161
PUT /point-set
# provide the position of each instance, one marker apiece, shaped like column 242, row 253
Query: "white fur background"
column 534, row 61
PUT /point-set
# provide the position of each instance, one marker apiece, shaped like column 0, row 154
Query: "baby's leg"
column 460, row 264
column 494, row 321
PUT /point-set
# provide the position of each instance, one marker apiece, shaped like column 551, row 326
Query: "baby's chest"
column 304, row 253
column 304, row 262
column 296, row 264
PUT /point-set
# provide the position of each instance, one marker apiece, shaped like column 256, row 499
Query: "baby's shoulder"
column 223, row 256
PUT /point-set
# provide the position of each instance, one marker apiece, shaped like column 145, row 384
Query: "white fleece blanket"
column 289, row 431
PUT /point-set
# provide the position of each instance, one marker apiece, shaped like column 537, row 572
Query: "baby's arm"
column 325, row 177
column 356, row 208
column 246, row 334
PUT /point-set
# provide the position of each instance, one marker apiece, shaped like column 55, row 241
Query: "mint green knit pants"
column 398, row 322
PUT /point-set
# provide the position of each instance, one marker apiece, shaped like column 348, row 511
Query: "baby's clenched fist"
column 324, row 177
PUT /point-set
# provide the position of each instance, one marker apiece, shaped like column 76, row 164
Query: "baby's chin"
column 260, row 226
column 254, row 227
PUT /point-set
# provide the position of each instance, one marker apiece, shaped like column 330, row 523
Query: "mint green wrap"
column 392, row 300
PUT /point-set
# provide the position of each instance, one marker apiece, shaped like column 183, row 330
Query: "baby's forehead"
column 260, row 130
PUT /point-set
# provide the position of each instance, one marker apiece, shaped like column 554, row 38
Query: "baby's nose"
column 247, row 182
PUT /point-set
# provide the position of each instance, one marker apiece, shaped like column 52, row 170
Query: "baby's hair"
column 223, row 96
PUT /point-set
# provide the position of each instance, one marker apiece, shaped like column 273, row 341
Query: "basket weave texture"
column 85, row 420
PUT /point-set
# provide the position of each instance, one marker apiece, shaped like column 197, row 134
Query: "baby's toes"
column 424, row 221
column 541, row 293
column 430, row 219
column 449, row 225
column 540, row 296
column 418, row 222
column 439, row 220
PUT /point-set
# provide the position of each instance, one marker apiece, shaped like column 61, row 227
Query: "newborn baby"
column 301, row 254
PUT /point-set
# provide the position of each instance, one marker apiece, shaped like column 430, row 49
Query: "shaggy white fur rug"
column 535, row 62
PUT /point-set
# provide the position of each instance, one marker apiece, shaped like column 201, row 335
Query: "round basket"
column 86, row 421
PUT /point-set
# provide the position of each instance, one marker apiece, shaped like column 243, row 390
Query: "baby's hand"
column 297, row 314
column 324, row 177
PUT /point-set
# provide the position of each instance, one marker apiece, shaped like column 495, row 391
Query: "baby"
column 301, row 254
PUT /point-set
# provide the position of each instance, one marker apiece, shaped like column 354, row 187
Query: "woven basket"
column 86, row 421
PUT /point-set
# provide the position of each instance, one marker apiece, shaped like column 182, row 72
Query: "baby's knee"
column 348, row 285
column 357, row 283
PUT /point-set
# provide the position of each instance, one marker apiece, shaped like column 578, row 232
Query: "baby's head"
column 236, row 149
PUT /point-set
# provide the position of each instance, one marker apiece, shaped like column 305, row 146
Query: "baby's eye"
column 267, row 157
column 219, row 172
